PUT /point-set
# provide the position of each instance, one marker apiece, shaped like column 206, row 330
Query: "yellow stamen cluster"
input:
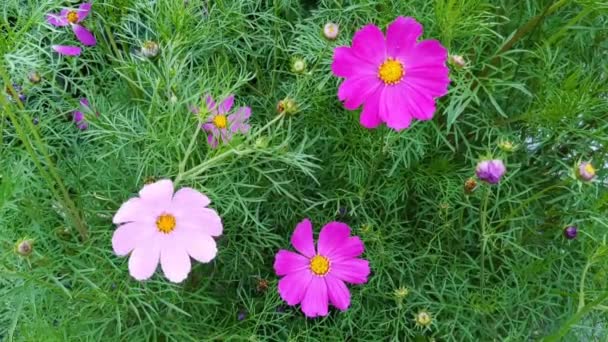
column 391, row 71
column 165, row 223
column 319, row 265
column 220, row 121
column 590, row 169
column 72, row 17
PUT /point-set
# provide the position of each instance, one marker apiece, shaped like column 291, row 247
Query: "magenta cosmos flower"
column 220, row 126
column 73, row 18
column 160, row 225
column 490, row 171
column 396, row 78
column 315, row 278
column 79, row 116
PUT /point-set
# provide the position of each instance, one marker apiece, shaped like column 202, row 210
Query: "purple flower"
column 570, row 232
column 220, row 126
column 79, row 117
column 18, row 92
column 491, row 171
column 73, row 18
column 586, row 171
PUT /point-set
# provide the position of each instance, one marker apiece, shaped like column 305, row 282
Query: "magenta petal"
column 57, row 19
column 210, row 104
column 315, row 301
column 84, row 35
column 424, row 54
column 353, row 247
column 370, row 115
column 432, row 80
column 302, row 239
column 292, row 287
column 369, row 44
column 354, row 91
column 226, row 105
column 339, row 296
column 332, row 236
column 401, row 35
column 347, row 64
column 286, row 262
column 67, row 50
column 78, row 116
column 393, row 108
column 175, row 262
column 419, row 105
column 83, row 11
column 353, row 271
column 84, row 102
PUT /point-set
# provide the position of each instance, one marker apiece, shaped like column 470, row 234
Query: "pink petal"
column 160, row 193
column 401, row 35
column 432, row 80
column 67, row 50
column 370, row 115
column 204, row 220
column 210, row 104
column 130, row 235
column 83, row 11
column 212, row 141
column 347, row 64
column 57, row 19
column 226, row 105
column 84, row 102
column 192, row 198
column 353, row 271
column 200, row 246
column 286, row 262
column 292, row 287
column 84, row 35
column 393, row 108
column 331, row 237
column 175, row 262
column 315, row 301
column 302, row 239
column 144, row 259
column 424, row 54
column 355, row 91
column 78, row 116
column 339, row 296
column 130, row 211
column 419, row 105
column 349, row 249
column 369, row 44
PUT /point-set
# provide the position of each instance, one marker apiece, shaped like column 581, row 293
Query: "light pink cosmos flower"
column 160, row 225
column 220, row 126
column 316, row 278
column 73, row 18
column 396, row 78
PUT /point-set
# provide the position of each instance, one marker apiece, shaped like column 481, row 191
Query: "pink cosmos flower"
column 73, row 18
column 316, row 278
column 490, row 171
column 67, row 50
column 396, row 78
column 220, row 125
column 80, row 117
column 160, row 225
column 586, row 171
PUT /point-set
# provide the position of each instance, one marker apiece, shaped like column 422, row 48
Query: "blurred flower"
column 164, row 226
column 396, row 79
column 423, row 319
column 24, row 247
column 220, row 126
column 586, row 171
column 79, row 116
column 457, row 61
column 470, row 185
column 287, row 106
column 74, row 18
column 34, row 77
column 331, row 30
column 17, row 91
column 490, row 171
column 401, row 292
column 241, row 315
column 262, row 285
column 570, row 232
column 35, row 121
column 315, row 278
column 67, row 50
column 507, row 146
column 342, row 211
column 261, row 142
column 298, row 66
column 150, row 49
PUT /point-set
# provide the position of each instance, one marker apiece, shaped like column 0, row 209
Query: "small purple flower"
column 79, row 117
column 220, row 126
column 586, row 171
column 241, row 315
column 73, row 18
column 570, row 232
column 490, row 171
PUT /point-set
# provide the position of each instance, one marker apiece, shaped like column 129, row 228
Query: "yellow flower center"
column 319, row 265
column 590, row 169
column 391, row 71
column 72, row 17
column 165, row 223
column 220, row 121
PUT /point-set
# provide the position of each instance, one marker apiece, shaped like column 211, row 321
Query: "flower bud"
column 298, row 66
column 570, row 232
column 470, row 185
column 331, row 30
column 586, row 171
column 490, row 171
column 457, row 61
column 24, row 247
column 34, row 77
column 507, row 146
column 423, row 319
column 150, row 49
column 287, row 106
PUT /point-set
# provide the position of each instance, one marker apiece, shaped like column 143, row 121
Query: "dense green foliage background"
column 490, row 266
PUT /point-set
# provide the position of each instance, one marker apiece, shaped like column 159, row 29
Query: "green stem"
column 558, row 335
column 484, row 241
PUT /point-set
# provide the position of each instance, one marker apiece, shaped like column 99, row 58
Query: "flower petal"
column 349, row 249
column 210, row 103
column 130, row 211
column 424, row 54
column 160, row 192
column 175, row 262
column 331, row 237
column 83, row 11
column 339, row 296
column 226, row 105
column 144, row 259
column 419, row 104
column 191, row 198
column 355, row 91
column 204, row 220
column 347, row 64
column 369, row 44
column 401, row 35
column 393, row 108
column 200, row 246
column 292, row 287
column 77, row 116
column 84, row 102
column 353, row 271
column 302, row 239
column 57, row 19
column 130, row 235
column 286, row 262
column 66, row 50
column 84, row 35
column 370, row 115
column 315, row 301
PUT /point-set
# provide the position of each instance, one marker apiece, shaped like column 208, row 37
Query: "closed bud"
column 34, row 77
column 470, row 185
column 457, row 61
column 298, row 66
column 423, row 319
column 24, row 247
column 150, row 49
column 287, row 106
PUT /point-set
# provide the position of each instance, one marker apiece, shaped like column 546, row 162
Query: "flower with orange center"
column 319, row 265
column 165, row 223
column 391, row 71
column 220, row 121
column 72, row 17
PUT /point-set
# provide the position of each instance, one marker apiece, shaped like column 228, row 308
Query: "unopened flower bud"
column 298, row 66
column 150, row 49
column 423, row 319
column 287, row 106
column 24, row 247
column 570, row 232
column 470, row 185
column 34, row 77
column 331, row 30
column 457, row 61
